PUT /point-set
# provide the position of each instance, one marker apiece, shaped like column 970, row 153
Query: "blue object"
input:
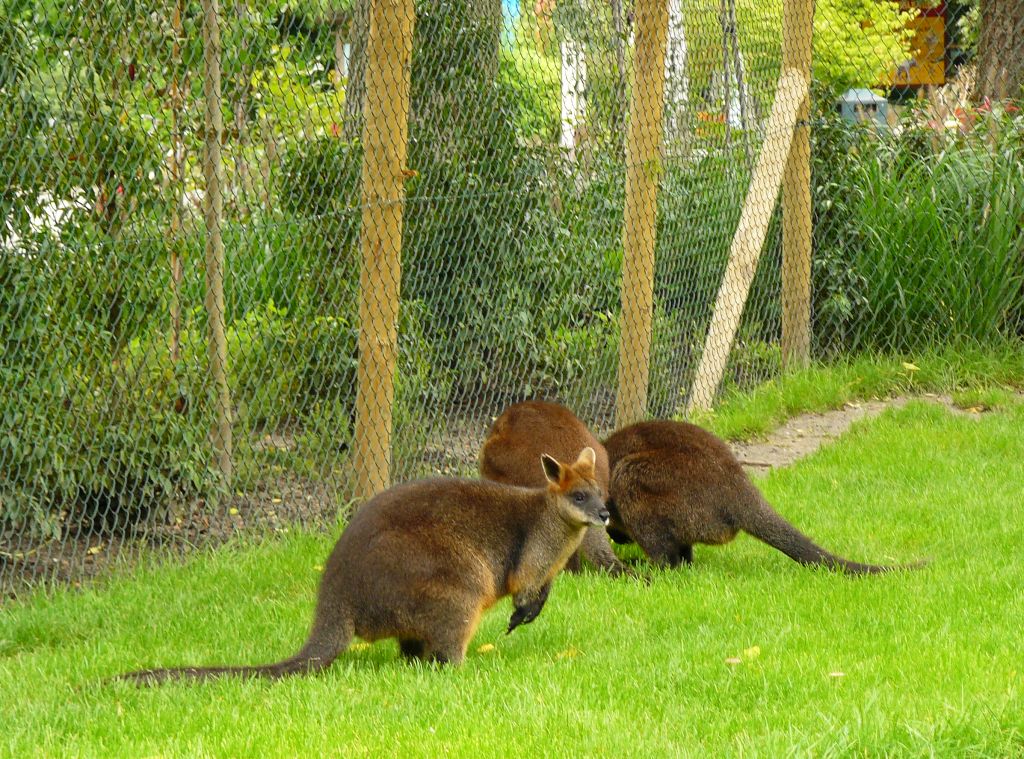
column 510, row 17
column 862, row 104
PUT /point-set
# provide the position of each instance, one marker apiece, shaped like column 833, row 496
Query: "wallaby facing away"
column 524, row 431
column 674, row 484
column 422, row 561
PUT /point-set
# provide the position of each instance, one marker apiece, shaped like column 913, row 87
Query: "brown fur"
column 526, row 430
column 421, row 562
column 674, row 484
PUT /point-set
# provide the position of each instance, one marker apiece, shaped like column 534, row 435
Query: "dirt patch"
column 78, row 556
column 804, row 434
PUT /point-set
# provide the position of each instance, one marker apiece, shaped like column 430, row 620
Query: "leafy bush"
column 320, row 177
column 97, row 449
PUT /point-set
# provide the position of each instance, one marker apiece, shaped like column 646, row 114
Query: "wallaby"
column 525, row 430
column 674, row 484
column 422, row 561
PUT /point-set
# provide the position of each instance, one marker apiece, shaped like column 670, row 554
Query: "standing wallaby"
column 422, row 561
column 525, row 430
column 674, row 484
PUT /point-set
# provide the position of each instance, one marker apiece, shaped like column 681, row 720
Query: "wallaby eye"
column 579, row 496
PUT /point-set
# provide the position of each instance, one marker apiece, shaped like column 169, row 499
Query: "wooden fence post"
column 643, row 170
column 213, row 173
column 385, row 132
column 749, row 238
column 797, row 29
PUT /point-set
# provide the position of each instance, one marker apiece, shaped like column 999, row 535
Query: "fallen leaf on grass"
column 911, row 367
column 359, row 645
column 93, row 550
column 975, row 409
column 734, row 660
column 837, row 674
column 232, row 511
column 568, row 653
column 486, row 648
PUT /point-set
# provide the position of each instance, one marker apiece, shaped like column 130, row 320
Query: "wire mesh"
column 141, row 408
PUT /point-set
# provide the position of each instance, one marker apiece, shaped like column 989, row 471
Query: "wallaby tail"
column 324, row 645
column 768, row 526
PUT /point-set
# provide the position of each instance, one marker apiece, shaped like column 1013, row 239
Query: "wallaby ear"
column 552, row 469
column 587, row 458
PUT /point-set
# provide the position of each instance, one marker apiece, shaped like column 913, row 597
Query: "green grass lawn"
column 974, row 376
column 922, row 663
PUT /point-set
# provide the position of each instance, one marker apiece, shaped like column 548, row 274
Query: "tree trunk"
column 574, row 86
column 176, row 179
column 621, row 85
column 356, row 85
column 677, row 83
column 741, row 81
column 341, row 54
column 243, row 185
column 487, row 13
column 1000, row 60
column 213, row 214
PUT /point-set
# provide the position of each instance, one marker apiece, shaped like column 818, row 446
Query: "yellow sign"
column 927, row 64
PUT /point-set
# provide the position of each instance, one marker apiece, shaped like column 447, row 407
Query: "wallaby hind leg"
column 447, row 650
column 456, row 625
column 412, row 649
column 597, row 549
column 659, row 545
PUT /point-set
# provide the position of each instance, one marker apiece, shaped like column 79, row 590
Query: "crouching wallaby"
column 524, row 431
column 422, row 561
column 674, row 484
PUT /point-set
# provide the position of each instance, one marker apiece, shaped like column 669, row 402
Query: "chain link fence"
column 257, row 260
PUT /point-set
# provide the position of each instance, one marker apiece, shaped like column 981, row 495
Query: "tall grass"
column 919, row 237
column 943, row 253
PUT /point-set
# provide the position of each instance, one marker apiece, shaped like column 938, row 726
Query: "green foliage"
column 113, row 286
column 512, row 260
column 917, row 246
column 321, row 177
column 22, row 140
column 856, row 42
column 97, row 448
column 292, row 105
column 536, row 80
